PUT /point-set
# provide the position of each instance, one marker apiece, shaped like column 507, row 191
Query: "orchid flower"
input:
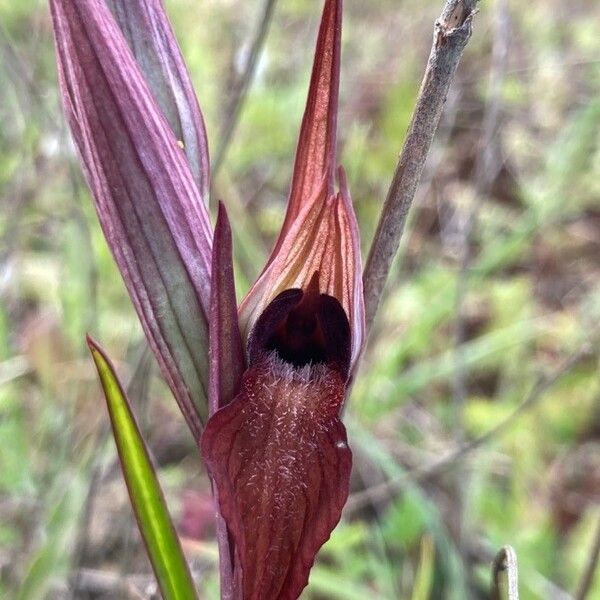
column 261, row 387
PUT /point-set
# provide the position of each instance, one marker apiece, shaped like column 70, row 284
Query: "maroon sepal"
column 227, row 363
column 320, row 231
column 226, row 354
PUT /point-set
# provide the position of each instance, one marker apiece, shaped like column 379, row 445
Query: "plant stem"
column 452, row 31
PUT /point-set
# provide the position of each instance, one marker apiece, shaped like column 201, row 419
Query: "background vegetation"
column 494, row 302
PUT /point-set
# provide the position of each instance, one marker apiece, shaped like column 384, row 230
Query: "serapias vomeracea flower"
column 261, row 388
column 278, row 453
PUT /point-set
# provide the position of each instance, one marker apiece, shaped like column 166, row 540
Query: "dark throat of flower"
column 278, row 452
column 304, row 327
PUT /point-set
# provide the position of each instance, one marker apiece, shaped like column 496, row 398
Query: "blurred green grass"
column 532, row 300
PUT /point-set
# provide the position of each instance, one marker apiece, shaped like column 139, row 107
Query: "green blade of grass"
column 424, row 578
column 169, row 563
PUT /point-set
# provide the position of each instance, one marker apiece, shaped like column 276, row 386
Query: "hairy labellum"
column 278, row 453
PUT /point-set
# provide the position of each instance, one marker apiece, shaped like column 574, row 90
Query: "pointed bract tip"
column 342, row 179
column 223, row 222
column 226, row 354
column 93, row 345
column 98, row 353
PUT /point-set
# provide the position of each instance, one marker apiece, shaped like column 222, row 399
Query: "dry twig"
column 451, row 33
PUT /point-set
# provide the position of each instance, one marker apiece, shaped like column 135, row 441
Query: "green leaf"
column 424, row 580
column 162, row 543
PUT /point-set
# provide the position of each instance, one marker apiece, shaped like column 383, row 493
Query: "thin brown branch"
column 452, row 31
column 238, row 98
column 585, row 585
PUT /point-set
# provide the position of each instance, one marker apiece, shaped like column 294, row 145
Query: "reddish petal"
column 320, row 232
column 279, row 457
column 315, row 155
column 324, row 238
column 227, row 362
column 314, row 166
